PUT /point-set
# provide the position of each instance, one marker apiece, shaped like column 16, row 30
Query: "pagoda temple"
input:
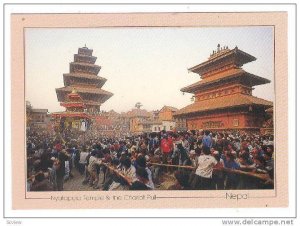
column 223, row 97
column 83, row 76
column 75, row 115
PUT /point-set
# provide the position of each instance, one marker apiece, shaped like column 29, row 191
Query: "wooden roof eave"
column 103, row 93
column 194, row 113
column 196, row 69
column 85, row 64
column 103, row 98
column 258, row 80
column 178, row 113
column 95, row 67
column 94, row 58
column 87, row 76
column 199, row 68
column 99, row 82
column 196, row 86
column 70, row 114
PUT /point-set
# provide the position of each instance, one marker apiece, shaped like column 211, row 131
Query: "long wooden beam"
column 127, row 179
column 251, row 174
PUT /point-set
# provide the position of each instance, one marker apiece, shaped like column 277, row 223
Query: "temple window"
column 235, row 122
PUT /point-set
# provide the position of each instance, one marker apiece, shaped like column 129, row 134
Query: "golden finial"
column 74, row 91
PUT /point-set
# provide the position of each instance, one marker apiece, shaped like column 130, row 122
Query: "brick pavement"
column 75, row 184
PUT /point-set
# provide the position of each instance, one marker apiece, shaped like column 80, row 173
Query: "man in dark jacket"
column 60, row 169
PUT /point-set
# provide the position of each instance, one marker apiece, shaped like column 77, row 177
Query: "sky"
column 147, row 65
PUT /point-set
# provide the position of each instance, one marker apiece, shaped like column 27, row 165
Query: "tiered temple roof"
column 83, row 76
column 223, row 55
column 223, row 84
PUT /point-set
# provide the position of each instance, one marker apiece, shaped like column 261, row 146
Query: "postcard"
column 149, row 110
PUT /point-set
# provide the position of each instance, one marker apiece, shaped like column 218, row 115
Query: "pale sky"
column 147, row 65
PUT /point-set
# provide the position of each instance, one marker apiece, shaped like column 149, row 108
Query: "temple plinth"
column 83, row 76
column 223, row 97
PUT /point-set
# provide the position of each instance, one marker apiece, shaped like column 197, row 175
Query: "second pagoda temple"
column 83, row 76
column 223, row 96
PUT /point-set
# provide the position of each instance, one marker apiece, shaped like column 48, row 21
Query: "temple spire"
column 83, row 80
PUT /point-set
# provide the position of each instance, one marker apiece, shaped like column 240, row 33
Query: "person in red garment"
column 166, row 146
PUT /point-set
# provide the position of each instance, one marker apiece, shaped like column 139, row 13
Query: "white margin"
column 253, row 212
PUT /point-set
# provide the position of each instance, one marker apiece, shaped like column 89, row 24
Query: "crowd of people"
column 190, row 160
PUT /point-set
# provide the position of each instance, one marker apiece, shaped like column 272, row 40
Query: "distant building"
column 39, row 118
column 155, row 115
column 166, row 113
column 164, row 120
column 158, row 126
column 180, row 124
column 140, row 121
column 112, row 123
